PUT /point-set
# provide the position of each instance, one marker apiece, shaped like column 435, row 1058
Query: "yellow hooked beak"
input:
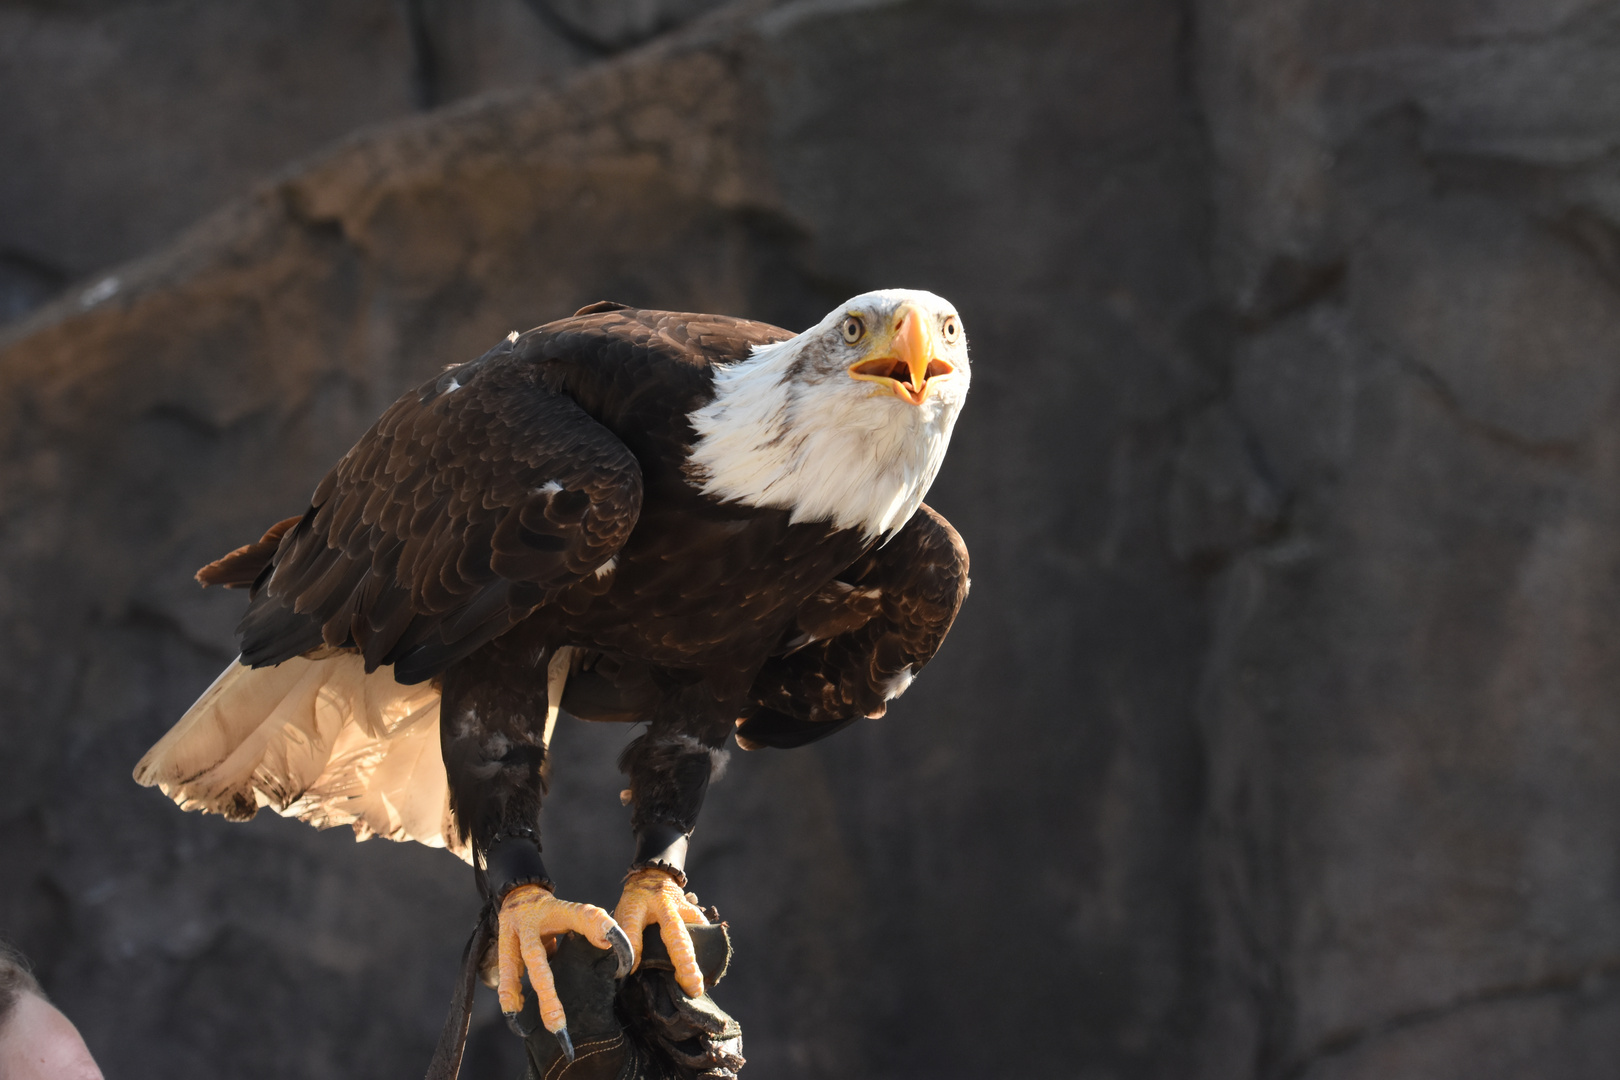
column 906, row 361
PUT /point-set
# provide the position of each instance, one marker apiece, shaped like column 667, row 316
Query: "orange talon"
column 653, row 896
column 530, row 921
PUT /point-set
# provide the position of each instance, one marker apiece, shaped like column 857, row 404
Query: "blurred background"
column 1280, row 737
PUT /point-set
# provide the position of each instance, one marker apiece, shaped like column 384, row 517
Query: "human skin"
column 38, row 1043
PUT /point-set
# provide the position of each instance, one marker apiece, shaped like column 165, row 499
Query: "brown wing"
column 883, row 620
column 470, row 503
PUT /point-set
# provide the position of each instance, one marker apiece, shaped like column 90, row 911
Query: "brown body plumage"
column 469, row 525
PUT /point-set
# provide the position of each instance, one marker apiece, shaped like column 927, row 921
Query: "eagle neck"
column 774, row 435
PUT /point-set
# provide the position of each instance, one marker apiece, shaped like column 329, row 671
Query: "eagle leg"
column 669, row 769
column 495, row 757
column 531, row 919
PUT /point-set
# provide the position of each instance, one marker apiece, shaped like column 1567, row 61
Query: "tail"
column 319, row 740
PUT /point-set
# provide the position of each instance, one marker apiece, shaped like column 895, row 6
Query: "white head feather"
column 792, row 428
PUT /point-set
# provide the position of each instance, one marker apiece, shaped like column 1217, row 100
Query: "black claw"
column 514, row 1021
column 567, row 1044
column 622, row 949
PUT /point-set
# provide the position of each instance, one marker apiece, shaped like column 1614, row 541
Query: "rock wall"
column 1275, row 739
column 127, row 121
column 1410, row 698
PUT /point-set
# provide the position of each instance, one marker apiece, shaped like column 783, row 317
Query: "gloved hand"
column 664, row 1034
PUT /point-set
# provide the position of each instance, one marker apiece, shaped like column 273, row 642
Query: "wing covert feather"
column 468, row 504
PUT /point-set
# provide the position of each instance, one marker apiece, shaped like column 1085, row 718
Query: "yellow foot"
column 652, row 896
column 530, row 920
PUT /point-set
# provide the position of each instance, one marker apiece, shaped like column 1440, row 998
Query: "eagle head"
column 847, row 422
column 898, row 343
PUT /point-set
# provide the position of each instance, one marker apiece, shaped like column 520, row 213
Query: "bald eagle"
column 708, row 525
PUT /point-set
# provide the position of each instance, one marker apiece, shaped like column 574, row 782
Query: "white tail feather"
column 319, row 740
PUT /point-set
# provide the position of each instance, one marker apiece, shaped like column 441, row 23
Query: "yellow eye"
column 853, row 329
column 952, row 331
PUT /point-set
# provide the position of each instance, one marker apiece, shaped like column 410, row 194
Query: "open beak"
column 908, row 363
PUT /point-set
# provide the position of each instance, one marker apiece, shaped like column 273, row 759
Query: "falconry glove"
column 643, row 1028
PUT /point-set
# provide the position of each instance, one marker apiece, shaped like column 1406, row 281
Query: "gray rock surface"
column 1277, row 738
column 126, row 122
column 1409, row 697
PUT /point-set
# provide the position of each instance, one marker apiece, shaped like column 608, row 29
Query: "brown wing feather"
column 920, row 579
column 470, row 503
column 242, row 567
